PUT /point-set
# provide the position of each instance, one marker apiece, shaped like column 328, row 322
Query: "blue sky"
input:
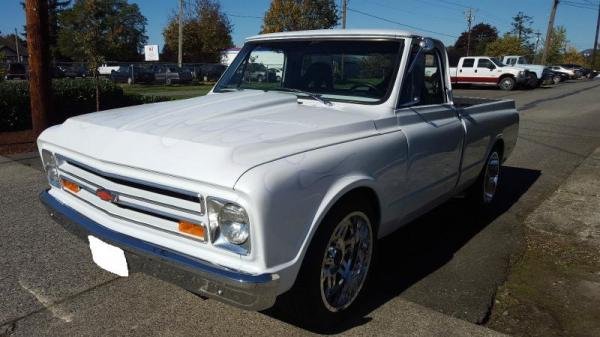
column 445, row 17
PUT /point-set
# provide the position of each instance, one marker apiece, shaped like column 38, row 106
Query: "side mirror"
column 491, row 67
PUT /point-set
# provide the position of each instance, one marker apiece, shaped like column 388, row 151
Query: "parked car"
column 484, row 70
column 251, row 191
column 107, row 69
column 553, row 77
column 534, row 71
column 211, row 72
column 563, row 70
column 171, row 74
column 16, row 71
column 73, row 71
column 577, row 69
column 132, row 74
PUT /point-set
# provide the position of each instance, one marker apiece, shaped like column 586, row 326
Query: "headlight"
column 228, row 222
column 51, row 168
column 521, row 73
column 233, row 222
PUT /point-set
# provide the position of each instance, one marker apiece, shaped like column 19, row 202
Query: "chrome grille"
column 134, row 200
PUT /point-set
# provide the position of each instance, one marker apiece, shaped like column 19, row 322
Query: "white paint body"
column 287, row 163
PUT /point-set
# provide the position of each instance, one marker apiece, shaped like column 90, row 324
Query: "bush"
column 71, row 97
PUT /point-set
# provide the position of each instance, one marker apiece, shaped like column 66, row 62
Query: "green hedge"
column 71, row 97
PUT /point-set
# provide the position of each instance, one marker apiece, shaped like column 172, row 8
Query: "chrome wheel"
column 491, row 177
column 346, row 261
column 507, row 83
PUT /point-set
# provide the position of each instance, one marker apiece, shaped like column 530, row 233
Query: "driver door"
column 486, row 69
column 434, row 133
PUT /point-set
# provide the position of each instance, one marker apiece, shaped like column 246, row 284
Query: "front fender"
column 289, row 197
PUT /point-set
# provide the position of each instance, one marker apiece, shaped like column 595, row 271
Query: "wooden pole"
column 39, row 68
column 593, row 66
column 549, row 32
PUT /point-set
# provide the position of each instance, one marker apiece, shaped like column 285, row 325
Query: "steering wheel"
column 366, row 85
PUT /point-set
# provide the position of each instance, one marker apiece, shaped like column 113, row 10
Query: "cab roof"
column 335, row 33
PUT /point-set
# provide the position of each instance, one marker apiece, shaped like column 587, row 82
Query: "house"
column 8, row 51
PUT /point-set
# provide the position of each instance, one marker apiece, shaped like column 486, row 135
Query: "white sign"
column 151, row 52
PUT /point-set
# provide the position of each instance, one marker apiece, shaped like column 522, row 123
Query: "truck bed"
column 486, row 103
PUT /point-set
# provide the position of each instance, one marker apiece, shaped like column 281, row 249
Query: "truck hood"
column 212, row 139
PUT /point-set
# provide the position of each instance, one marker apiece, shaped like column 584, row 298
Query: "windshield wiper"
column 316, row 97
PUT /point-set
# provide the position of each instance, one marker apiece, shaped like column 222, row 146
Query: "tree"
column 506, row 45
column 206, row 32
column 558, row 45
column 522, row 28
column 119, row 27
column 481, row 35
column 291, row 15
column 95, row 30
column 55, row 7
column 571, row 55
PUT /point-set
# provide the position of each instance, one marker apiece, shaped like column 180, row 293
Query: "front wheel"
column 335, row 268
column 507, row 83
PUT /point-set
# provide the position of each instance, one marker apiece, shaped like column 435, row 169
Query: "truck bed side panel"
column 486, row 121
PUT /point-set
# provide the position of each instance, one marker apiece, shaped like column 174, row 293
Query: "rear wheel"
column 483, row 191
column 507, row 83
column 335, row 268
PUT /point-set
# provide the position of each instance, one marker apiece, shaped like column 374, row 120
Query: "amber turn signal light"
column 191, row 229
column 69, row 185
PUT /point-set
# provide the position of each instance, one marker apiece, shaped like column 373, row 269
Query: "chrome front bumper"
column 246, row 291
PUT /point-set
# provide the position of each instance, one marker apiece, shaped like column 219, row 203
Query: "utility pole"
column 537, row 44
column 344, row 11
column 470, row 16
column 36, row 13
column 180, row 48
column 596, row 38
column 17, row 46
column 550, row 31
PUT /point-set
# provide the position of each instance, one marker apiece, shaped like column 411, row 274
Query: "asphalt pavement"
column 435, row 277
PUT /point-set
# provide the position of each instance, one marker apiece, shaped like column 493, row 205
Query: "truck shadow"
column 425, row 245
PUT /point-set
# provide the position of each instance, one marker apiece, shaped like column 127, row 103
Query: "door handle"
column 460, row 70
column 475, row 70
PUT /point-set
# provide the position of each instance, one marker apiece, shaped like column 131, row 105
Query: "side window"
column 511, row 61
column 485, row 63
column 424, row 85
column 468, row 63
column 433, row 87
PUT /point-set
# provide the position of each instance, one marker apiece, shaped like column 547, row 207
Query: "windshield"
column 497, row 62
column 356, row 71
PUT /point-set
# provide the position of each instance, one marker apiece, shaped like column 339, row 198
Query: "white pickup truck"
column 484, row 70
column 521, row 62
column 279, row 190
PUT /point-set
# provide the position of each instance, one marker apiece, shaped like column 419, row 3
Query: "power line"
column 243, row 16
column 400, row 24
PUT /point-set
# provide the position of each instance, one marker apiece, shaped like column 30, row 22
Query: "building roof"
column 334, row 33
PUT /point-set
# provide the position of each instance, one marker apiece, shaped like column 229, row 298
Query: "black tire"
column 305, row 302
column 507, row 83
column 479, row 192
